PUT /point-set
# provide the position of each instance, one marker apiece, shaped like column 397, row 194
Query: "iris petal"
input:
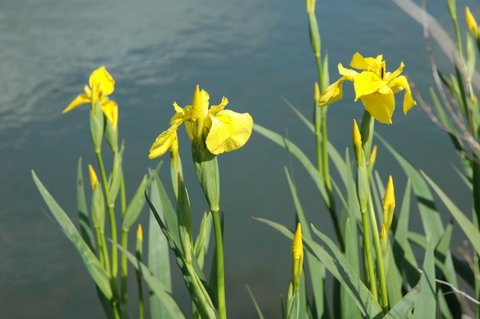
column 332, row 93
column 229, row 131
column 163, row 142
column 380, row 106
column 400, row 83
column 79, row 100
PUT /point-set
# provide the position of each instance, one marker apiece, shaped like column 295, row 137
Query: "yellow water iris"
column 100, row 86
column 374, row 86
column 222, row 130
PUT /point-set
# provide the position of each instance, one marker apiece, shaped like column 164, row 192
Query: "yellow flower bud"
column 140, row 233
column 373, row 156
column 297, row 257
column 357, row 144
column 471, row 23
column 93, row 177
column 388, row 207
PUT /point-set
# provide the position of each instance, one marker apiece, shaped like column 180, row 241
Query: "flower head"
column 93, row 177
column 373, row 85
column 100, row 86
column 222, row 130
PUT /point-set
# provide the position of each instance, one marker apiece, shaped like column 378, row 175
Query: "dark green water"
column 255, row 53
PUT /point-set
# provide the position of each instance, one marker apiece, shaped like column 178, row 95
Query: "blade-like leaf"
column 162, row 292
column 465, row 224
column 336, row 263
column 84, row 218
column 255, row 303
column 425, row 306
column 91, row 262
column 136, row 205
column 403, row 308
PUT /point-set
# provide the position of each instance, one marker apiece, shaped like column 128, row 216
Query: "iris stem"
column 222, row 307
column 111, row 214
column 124, row 267
column 368, row 255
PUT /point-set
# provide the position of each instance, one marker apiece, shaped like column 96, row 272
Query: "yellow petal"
column 101, row 79
column 366, row 83
column 389, row 198
column 348, row 74
column 79, row 100
column 199, row 104
column 366, row 64
column 93, row 177
column 397, row 85
column 180, row 115
column 229, row 131
column 471, row 23
column 214, row 109
column 380, row 106
column 110, row 110
column 163, row 142
column 391, row 76
column 332, row 93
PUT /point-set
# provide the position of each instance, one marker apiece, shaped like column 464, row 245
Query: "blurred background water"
column 256, row 53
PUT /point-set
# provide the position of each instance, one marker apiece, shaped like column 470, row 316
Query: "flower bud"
column 297, row 257
column 471, row 23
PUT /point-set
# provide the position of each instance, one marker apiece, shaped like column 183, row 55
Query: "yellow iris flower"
column 374, row 86
column 223, row 130
column 100, row 86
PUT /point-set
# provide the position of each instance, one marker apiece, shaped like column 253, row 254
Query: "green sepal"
column 96, row 127
column 116, row 177
column 206, row 169
column 111, row 135
column 98, row 208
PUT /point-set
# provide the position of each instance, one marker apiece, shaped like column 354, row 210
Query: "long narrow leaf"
column 84, row 218
column 136, row 205
column 91, row 262
column 403, row 308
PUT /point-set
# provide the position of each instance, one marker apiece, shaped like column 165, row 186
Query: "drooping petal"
column 101, row 79
column 110, row 110
column 397, row 85
column 366, row 64
column 229, row 131
column 180, row 115
column 163, row 142
column 391, row 76
column 214, row 109
column 332, row 93
column 366, row 83
column 79, row 100
column 380, row 105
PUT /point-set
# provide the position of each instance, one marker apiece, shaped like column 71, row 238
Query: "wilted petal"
column 332, row 93
column 229, row 131
column 397, row 85
column 79, row 100
column 380, row 105
column 163, row 142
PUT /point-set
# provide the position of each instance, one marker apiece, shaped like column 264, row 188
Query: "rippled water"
column 254, row 52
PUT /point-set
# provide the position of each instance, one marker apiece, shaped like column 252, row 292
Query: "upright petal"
column 103, row 80
column 348, row 74
column 380, row 105
column 199, row 104
column 79, row 100
column 229, row 131
column 214, row 109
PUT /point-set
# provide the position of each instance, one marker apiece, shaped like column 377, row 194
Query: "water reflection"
column 254, row 52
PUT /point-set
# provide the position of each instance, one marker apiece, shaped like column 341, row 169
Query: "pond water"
column 256, row 53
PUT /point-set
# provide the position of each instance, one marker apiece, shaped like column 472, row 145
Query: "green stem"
column 368, row 255
column 124, row 267
column 222, row 308
column 111, row 213
column 367, row 129
column 379, row 257
column 318, row 137
column 141, row 311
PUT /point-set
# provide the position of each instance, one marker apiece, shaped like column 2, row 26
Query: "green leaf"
column 403, row 308
column 295, row 151
column 135, row 206
column 83, row 217
column 314, row 265
column 115, row 178
column 351, row 254
column 158, row 255
column 338, row 266
column 302, row 117
column 156, row 286
column 255, row 303
column 432, row 223
column 91, row 262
column 203, row 239
column 425, row 306
column 465, row 224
